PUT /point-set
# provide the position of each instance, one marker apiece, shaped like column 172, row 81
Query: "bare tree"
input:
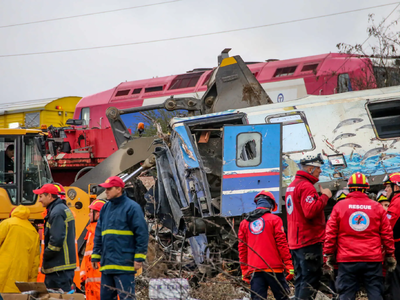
column 383, row 50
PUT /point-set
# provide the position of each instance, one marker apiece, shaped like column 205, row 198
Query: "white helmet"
column 312, row 160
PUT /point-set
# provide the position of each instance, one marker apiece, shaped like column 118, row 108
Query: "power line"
column 347, row 59
column 196, row 35
column 88, row 14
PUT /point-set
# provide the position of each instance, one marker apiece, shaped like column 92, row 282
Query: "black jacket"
column 59, row 238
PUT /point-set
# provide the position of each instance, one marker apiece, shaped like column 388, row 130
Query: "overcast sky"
column 83, row 73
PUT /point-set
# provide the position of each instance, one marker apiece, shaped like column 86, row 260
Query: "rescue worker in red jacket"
column 392, row 188
column 263, row 250
column 89, row 276
column 306, row 225
column 356, row 234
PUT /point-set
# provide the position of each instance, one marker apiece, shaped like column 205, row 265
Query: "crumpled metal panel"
column 169, row 190
column 190, row 172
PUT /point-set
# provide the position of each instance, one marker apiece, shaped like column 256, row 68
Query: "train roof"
column 266, row 70
column 382, row 93
column 30, row 105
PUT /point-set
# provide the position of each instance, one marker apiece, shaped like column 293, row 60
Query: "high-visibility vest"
column 90, row 276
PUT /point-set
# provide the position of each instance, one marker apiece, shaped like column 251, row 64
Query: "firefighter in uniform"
column 356, row 234
column 90, row 277
column 41, row 276
column 120, row 242
column 392, row 188
column 306, row 226
column 263, row 250
column 59, row 258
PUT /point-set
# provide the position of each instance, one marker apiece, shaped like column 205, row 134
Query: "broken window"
column 296, row 135
column 386, row 118
column 248, row 153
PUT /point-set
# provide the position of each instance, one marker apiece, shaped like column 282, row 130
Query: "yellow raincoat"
column 19, row 250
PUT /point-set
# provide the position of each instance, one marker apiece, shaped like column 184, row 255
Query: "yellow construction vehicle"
column 23, row 168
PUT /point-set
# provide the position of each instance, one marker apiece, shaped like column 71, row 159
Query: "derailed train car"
column 214, row 164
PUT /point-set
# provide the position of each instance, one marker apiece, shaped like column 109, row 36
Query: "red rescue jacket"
column 305, row 212
column 357, row 230
column 263, row 236
column 393, row 215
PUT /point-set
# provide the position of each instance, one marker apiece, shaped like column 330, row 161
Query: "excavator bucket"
column 234, row 87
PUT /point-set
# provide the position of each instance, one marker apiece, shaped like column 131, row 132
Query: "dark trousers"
column 60, row 280
column 393, row 284
column 117, row 284
column 260, row 282
column 353, row 273
column 307, row 262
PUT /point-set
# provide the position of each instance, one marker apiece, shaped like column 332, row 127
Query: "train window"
column 311, row 67
column 153, row 89
column 386, row 118
column 344, row 83
column 287, row 71
column 122, row 93
column 185, row 81
column 296, row 135
column 32, row 120
column 248, row 147
column 137, row 91
column 85, row 115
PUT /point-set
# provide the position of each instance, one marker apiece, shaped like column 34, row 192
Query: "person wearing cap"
column 356, row 235
column 91, row 277
column 263, row 250
column 19, row 250
column 306, row 225
column 120, row 242
column 59, row 258
column 392, row 188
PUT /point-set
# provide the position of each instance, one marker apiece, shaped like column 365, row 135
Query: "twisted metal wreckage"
column 229, row 148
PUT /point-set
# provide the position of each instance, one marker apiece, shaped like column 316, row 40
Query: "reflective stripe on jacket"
column 305, row 212
column 357, row 230
column 90, row 276
column 19, row 250
column 121, row 236
column 59, row 238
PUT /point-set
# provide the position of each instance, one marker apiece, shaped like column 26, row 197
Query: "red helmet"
column 392, row 178
column 61, row 191
column 358, row 181
column 97, row 204
column 266, row 195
